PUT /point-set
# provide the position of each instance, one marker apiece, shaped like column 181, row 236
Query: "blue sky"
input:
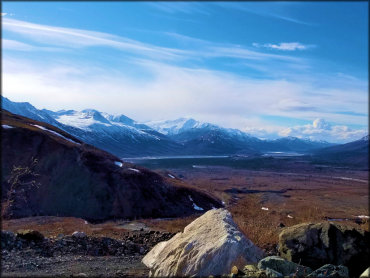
column 270, row 68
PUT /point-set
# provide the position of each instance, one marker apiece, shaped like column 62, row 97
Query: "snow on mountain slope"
column 172, row 127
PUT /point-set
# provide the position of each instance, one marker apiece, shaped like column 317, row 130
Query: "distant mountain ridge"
column 124, row 137
column 353, row 153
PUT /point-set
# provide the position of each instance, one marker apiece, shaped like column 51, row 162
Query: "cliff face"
column 71, row 178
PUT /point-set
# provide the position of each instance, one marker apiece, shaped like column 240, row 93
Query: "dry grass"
column 170, row 225
column 51, row 226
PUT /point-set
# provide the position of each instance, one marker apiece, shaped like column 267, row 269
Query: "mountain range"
column 124, row 137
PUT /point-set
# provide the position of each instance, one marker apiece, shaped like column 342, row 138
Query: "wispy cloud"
column 270, row 10
column 180, row 7
column 77, row 38
column 285, row 46
column 21, row 46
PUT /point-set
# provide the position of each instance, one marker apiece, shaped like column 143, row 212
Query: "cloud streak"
column 76, row 38
column 285, row 46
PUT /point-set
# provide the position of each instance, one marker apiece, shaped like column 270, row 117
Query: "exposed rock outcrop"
column 315, row 245
column 210, row 245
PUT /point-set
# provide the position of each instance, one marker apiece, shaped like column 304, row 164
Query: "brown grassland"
column 291, row 198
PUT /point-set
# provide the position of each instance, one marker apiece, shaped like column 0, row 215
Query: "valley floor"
column 261, row 202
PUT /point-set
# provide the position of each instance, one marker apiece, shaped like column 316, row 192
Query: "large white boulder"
column 210, row 245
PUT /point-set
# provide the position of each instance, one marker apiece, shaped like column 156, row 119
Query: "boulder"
column 210, row 245
column 331, row 271
column 315, row 245
column 78, row 234
column 286, row 268
column 31, row 235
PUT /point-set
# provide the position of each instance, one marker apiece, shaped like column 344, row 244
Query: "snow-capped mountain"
column 125, row 137
column 119, row 135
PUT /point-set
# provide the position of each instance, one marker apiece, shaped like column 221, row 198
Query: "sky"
column 270, row 69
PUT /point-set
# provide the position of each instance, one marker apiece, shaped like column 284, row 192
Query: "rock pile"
column 275, row 266
column 209, row 245
column 80, row 244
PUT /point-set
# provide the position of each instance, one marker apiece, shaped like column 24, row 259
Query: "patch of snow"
column 289, row 216
column 56, row 133
column 86, row 222
column 172, row 177
column 135, row 170
column 264, row 208
column 199, row 166
column 363, row 216
column 223, row 202
column 194, row 205
column 7, row 126
column 351, row 179
column 118, row 163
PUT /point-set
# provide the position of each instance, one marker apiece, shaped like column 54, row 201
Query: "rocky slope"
column 57, row 174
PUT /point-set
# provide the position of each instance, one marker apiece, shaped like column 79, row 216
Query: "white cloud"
column 3, row 14
column 285, row 46
column 173, row 91
column 322, row 130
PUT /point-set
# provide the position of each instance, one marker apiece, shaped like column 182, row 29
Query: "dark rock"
column 281, row 225
column 331, row 271
column 30, row 235
column 315, row 245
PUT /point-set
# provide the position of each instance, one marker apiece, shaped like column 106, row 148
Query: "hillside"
column 76, row 179
column 355, row 153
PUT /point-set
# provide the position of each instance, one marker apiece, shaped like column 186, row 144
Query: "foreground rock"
column 210, row 245
column 315, row 245
column 283, row 267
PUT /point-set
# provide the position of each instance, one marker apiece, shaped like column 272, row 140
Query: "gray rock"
column 210, row 245
column 273, row 273
column 315, row 245
column 81, row 275
column 331, row 271
column 78, row 234
column 286, row 268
